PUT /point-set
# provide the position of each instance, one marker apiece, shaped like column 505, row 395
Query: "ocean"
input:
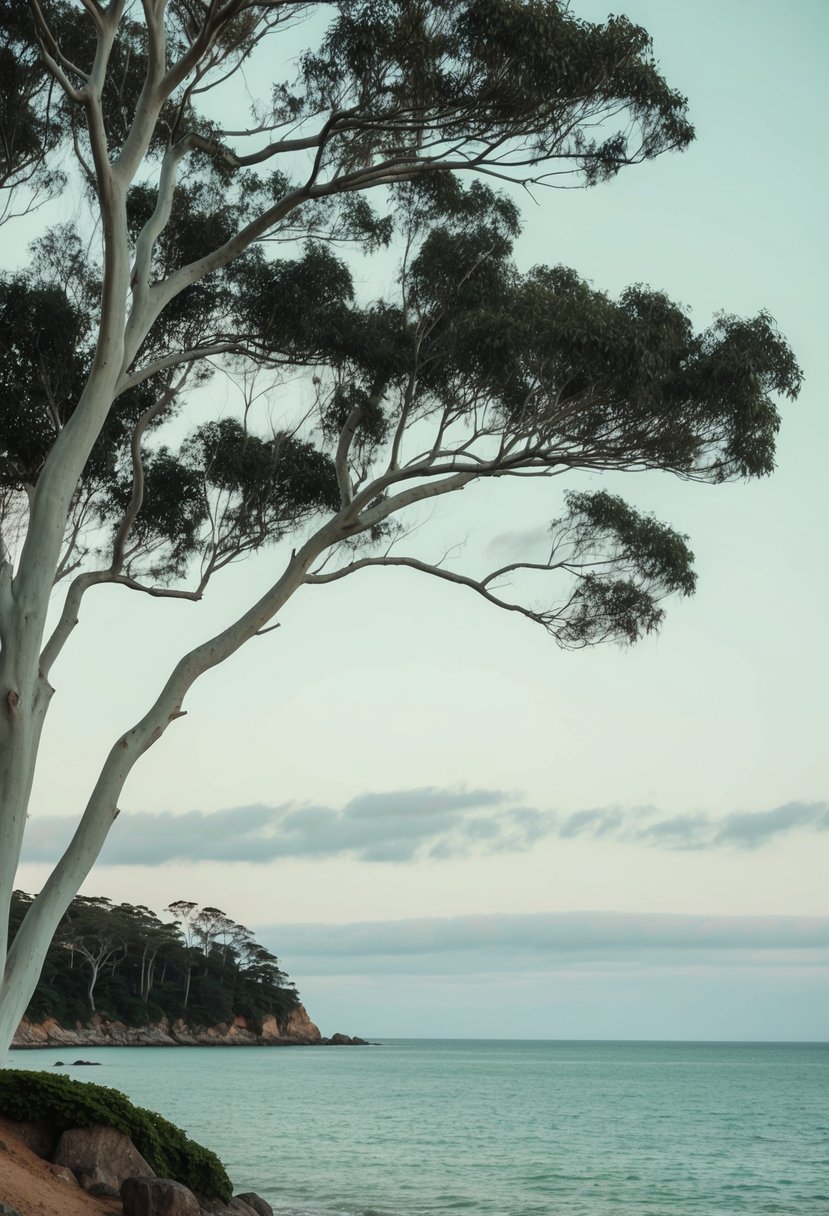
column 497, row 1128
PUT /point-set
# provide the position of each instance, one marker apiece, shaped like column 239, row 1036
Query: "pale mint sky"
column 398, row 752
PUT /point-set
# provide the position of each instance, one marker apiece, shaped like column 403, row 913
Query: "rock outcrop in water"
column 296, row 1029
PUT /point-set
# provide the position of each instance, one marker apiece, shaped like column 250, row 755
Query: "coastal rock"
column 63, row 1172
column 260, row 1206
column 299, row 1026
column 100, row 1190
column 100, row 1156
column 217, row 1207
column 346, row 1040
column 39, row 1136
column 101, row 1031
column 150, row 1196
column 43, row 1034
column 213, row 1207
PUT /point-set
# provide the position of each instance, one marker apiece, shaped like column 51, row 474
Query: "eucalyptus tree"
column 205, row 244
column 94, row 933
column 186, row 912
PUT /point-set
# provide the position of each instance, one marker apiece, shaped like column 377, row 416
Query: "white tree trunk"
column 25, row 958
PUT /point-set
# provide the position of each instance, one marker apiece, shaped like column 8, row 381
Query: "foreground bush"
column 66, row 1103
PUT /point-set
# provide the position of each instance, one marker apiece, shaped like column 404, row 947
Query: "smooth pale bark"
column 25, row 958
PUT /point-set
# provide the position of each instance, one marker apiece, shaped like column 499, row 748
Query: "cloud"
column 740, row 829
column 559, row 931
column 507, row 545
column 531, row 942
column 429, row 801
column 406, row 825
column 397, row 826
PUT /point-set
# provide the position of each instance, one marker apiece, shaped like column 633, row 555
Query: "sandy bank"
column 30, row 1185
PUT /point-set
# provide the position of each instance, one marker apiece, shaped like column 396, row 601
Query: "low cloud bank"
column 408, row 825
column 509, row 943
column 558, row 931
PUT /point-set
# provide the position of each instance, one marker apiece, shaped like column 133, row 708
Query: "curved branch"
column 95, row 11
column 449, row 576
column 112, row 574
column 176, row 360
column 69, row 616
column 158, row 220
column 51, row 55
column 215, row 147
column 341, row 459
column 137, row 496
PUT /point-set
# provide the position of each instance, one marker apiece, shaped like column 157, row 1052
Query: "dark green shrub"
column 210, row 1003
column 66, row 1103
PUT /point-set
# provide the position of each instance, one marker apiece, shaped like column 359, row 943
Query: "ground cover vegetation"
column 123, row 962
column 209, row 248
column 64, row 1104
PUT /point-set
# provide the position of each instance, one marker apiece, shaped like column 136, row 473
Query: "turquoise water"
column 430, row 1127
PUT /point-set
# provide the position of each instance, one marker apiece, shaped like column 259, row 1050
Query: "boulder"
column 150, row 1196
column 63, row 1172
column 101, row 1153
column 101, row 1190
column 260, row 1206
column 5, row 1210
column 96, row 1182
column 217, row 1207
column 39, row 1136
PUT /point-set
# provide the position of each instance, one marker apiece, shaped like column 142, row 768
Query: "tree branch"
column 137, row 496
column 176, row 360
column 51, row 54
column 449, row 576
column 341, row 459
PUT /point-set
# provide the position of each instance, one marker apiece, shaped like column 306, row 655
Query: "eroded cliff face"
column 298, row 1026
column 101, row 1032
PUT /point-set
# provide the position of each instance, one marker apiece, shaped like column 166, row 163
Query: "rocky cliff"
column 298, row 1029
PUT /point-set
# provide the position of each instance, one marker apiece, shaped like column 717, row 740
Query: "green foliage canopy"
column 540, row 363
column 147, row 976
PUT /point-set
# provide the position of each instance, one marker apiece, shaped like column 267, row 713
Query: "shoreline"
column 295, row 1031
column 339, row 1042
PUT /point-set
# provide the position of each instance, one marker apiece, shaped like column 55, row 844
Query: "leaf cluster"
column 594, row 381
column 483, row 73
column 30, row 126
column 246, row 491
column 626, row 562
column 47, row 348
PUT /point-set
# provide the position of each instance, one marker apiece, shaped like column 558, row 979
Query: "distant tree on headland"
column 122, row 961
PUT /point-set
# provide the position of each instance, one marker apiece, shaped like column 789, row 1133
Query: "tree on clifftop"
column 206, row 249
